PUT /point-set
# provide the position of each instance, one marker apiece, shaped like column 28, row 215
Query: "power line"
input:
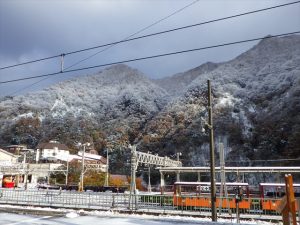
column 29, row 62
column 153, row 34
column 108, row 47
column 150, row 57
column 139, row 31
column 28, row 86
column 264, row 160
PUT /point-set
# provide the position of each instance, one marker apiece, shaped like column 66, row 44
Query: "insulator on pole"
column 62, row 62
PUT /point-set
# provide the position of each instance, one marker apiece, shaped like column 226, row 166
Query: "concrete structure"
column 7, row 159
column 42, row 171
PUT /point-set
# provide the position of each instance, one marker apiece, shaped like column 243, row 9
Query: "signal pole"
column 212, row 156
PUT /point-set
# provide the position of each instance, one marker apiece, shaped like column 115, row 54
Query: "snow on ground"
column 106, row 217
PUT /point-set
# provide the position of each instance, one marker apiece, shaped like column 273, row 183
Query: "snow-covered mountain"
column 256, row 105
column 114, row 96
column 178, row 83
column 256, row 108
column 109, row 88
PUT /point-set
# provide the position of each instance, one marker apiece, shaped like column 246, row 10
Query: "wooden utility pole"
column 289, row 213
column 212, row 156
column 287, row 206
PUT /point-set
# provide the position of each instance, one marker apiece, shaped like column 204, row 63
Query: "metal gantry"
column 95, row 166
column 150, row 159
column 146, row 159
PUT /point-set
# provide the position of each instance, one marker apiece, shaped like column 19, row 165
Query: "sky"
column 33, row 29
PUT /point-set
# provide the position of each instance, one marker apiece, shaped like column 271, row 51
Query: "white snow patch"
column 226, row 100
column 251, row 109
column 24, row 115
column 59, row 103
column 72, row 215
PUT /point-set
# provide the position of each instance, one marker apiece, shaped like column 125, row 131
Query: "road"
column 75, row 219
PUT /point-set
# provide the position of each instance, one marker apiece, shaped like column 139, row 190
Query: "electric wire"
column 29, row 62
column 262, row 160
column 154, row 34
column 149, row 57
column 110, row 46
column 127, row 38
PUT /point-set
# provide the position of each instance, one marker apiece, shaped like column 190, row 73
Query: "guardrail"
column 152, row 203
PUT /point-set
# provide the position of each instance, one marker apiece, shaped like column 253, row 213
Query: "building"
column 8, row 165
column 52, row 151
column 26, row 154
column 98, row 161
column 7, row 158
column 93, row 157
column 16, row 149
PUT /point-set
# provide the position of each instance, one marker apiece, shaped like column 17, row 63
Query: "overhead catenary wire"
column 261, row 160
column 110, row 46
column 138, row 32
column 153, row 34
column 150, row 57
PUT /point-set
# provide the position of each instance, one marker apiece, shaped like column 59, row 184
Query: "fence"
column 150, row 203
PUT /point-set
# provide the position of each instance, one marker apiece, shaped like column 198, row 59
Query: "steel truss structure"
column 146, row 159
column 150, row 159
column 95, row 166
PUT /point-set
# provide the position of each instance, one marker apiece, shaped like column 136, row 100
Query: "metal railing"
column 152, row 203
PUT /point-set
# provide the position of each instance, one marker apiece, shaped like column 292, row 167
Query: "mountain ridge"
column 256, row 100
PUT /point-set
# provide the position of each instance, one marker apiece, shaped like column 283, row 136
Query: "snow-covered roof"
column 208, row 183
column 52, row 145
column 276, row 185
column 69, row 158
column 92, row 157
column 7, row 153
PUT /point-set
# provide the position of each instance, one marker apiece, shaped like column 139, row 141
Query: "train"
column 197, row 195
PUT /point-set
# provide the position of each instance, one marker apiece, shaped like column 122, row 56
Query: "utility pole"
column 149, row 179
column 223, row 189
column 67, row 173
column 178, row 154
column 82, row 167
column 106, row 183
column 212, row 156
column 134, row 164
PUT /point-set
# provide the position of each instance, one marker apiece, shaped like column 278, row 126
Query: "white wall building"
column 7, row 158
column 52, row 151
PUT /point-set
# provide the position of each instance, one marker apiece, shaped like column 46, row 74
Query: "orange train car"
column 271, row 194
column 197, row 194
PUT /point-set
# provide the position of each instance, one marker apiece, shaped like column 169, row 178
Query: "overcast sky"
column 31, row 29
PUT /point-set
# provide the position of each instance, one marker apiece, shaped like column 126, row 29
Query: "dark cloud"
column 32, row 29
